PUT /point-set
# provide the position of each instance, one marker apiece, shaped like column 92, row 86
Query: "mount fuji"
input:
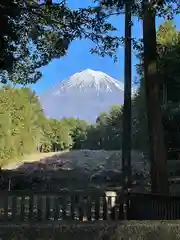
column 84, row 95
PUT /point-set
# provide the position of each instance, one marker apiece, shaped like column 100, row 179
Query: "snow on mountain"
column 84, row 95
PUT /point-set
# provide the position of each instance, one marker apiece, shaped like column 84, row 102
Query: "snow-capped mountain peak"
column 84, row 95
column 89, row 79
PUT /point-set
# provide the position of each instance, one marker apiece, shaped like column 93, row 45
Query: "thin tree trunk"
column 158, row 158
column 126, row 141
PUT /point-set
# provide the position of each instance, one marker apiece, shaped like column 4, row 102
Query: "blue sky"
column 79, row 58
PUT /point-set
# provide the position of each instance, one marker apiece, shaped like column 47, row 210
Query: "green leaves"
column 106, row 133
column 20, row 129
column 168, row 49
column 39, row 33
column 35, row 32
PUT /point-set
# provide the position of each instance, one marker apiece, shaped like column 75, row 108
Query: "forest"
column 25, row 129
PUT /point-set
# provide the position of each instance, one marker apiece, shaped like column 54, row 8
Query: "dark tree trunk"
column 126, row 141
column 158, row 158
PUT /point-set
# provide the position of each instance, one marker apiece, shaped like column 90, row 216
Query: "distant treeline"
column 24, row 129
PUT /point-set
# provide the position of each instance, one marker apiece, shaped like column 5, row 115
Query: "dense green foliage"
column 24, row 128
column 168, row 49
column 106, row 133
column 63, row 134
column 35, row 32
column 19, row 122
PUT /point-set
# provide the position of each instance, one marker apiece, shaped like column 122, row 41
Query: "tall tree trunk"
column 158, row 158
column 126, row 141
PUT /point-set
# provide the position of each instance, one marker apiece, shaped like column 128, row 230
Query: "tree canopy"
column 35, row 32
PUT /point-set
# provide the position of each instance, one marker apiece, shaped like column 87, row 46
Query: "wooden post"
column 31, row 205
column 48, row 206
column 39, row 208
column 9, row 184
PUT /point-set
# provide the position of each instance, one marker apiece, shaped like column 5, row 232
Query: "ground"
column 135, row 230
column 29, row 158
column 93, row 160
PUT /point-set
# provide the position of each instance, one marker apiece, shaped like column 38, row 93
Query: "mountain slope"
column 84, row 95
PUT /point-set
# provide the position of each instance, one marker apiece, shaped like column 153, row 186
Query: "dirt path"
column 29, row 159
column 84, row 159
